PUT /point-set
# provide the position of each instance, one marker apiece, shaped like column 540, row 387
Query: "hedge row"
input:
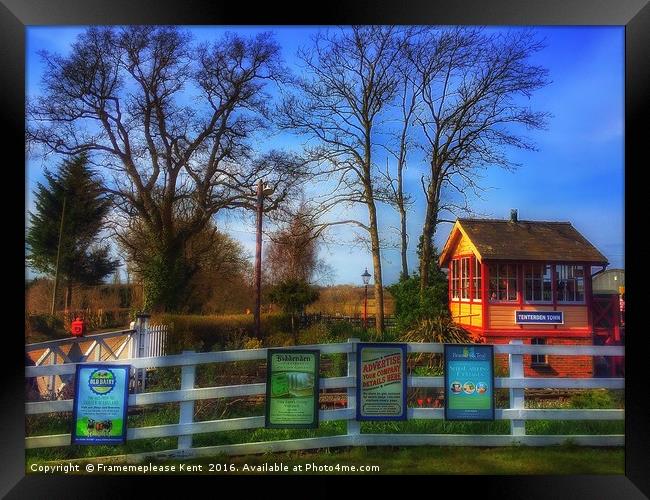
column 215, row 333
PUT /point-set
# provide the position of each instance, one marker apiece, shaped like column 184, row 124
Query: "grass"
column 565, row 459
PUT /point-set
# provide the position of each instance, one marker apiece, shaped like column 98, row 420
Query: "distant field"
column 347, row 300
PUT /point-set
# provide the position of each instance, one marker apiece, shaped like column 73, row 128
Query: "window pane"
column 529, row 289
column 493, row 288
column 580, row 289
column 546, row 294
column 512, row 289
column 528, row 272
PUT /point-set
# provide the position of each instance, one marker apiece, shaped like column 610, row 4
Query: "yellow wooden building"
column 528, row 280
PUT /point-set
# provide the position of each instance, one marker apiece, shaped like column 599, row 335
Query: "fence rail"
column 517, row 414
column 141, row 341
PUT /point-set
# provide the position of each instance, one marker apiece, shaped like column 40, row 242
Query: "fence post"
column 52, row 381
column 188, row 373
column 141, row 327
column 353, row 426
column 516, row 366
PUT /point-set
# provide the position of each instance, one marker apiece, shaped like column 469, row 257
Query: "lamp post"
column 366, row 279
column 263, row 189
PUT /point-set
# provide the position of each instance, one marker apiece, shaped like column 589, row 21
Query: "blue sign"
column 539, row 317
column 381, row 386
column 101, row 397
column 469, row 382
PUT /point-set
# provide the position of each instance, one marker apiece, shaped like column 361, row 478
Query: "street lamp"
column 366, row 279
column 263, row 189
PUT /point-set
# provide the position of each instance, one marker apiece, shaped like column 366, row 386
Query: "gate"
column 141, row 340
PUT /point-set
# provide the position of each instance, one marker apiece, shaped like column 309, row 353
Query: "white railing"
column 141, row 341
column 517, row 414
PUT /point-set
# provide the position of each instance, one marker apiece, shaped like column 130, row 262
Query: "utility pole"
column 58, row 256
column 258, row 258
column 263, row 189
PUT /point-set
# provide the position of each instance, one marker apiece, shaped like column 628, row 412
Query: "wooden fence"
column 143, row 340
column 517, row 413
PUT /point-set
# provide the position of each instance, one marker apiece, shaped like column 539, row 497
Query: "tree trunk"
column 166, row 280
column 404, row 242
column 376, row 262
column 68, row 295
column 428, row 232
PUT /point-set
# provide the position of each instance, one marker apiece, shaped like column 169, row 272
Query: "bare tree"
column 408, row 98
column 173, row 123
column 350, row 78
column 292, row 253
column 471, row 112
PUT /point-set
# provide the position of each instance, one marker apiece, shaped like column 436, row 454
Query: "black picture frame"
column 381, row 345
column 485, row 415
column 269, row 373
column 15, row 15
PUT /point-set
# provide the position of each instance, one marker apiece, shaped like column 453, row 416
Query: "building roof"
column 524, row 240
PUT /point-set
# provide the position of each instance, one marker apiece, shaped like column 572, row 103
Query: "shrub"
column 595, row 398
column 439, row 330
column 229, row 331
column 411, row 307
column 39, row 327
column 317, row 333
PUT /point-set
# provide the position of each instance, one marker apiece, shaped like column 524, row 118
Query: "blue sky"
column 577, row 174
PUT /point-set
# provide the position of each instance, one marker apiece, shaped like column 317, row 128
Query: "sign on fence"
column 100, row 401
column 381, row 391
column 292, row 384
column 469, row 382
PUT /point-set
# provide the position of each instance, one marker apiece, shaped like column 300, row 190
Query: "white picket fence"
column 143, row 340
column 517, row 413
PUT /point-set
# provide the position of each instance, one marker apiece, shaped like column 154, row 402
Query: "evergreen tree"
column 82, row 259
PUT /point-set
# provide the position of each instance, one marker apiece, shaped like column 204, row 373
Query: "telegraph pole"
column 58, row 256
column 258, row 258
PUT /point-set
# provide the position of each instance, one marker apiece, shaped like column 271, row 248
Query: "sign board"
column 539, row 317
column 101, row 398
column 381, row 381
column 292, row 384
column 469, row 382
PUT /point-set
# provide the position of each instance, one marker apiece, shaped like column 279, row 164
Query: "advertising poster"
column 292, row 384
column 381, row 376
column 469, row 382
column 100, row 402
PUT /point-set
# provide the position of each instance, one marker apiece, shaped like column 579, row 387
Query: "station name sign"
column 539, row 317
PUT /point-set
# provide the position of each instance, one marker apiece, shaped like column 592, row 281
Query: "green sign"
column 381, row 390
column 100, row 403
column 469, row 382
column 292, row 385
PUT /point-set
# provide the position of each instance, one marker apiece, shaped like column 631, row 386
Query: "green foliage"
column 440, row 330
column 205, row 333
column 82, row 260
column 594, row 398
column 164, row 278
column 39, row 327
column 412, row 306
column 293, row 295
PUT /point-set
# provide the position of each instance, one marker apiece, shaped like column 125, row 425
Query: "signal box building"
column 526, row 280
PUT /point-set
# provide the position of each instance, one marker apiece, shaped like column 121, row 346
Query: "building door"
column 606, row 319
